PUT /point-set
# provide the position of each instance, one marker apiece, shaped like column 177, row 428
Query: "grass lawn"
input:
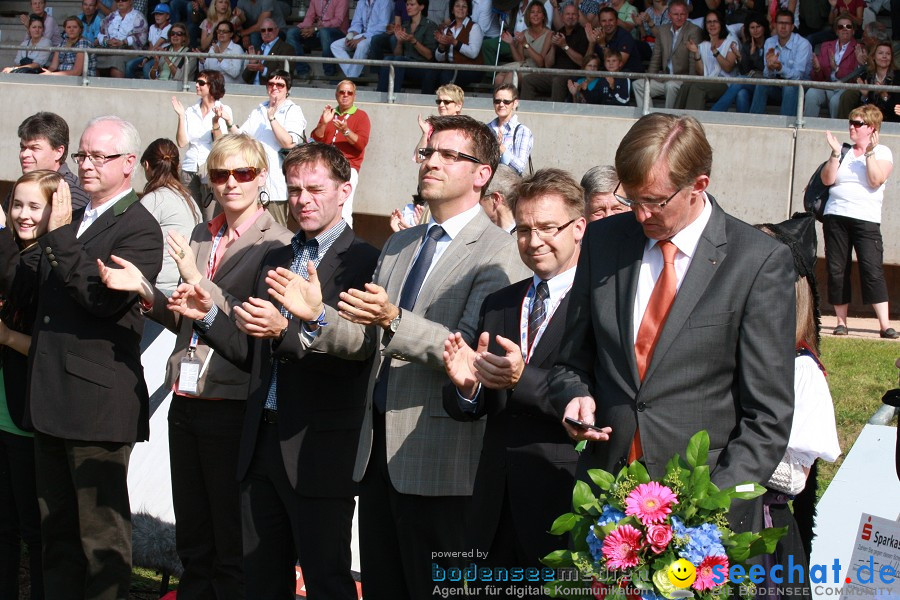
column 859, row 372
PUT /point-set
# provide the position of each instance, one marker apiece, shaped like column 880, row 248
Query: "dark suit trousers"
column 85, row 517
column 281, row 525
column 20, row 518
column 204, row 437
column 399, row 532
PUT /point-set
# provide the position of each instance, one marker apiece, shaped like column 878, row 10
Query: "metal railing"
column 521, row 70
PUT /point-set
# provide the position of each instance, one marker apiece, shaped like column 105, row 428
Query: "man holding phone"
column 505, row 379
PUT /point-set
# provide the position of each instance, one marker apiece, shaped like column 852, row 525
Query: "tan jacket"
column 681, row 57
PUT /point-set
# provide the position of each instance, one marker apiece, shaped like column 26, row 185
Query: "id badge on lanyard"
column 189, row 372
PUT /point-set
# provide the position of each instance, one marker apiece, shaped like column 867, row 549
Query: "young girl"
column 29, row 215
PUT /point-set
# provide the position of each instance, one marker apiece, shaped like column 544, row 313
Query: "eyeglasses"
column 502, row 101
column 544, row 233
column 176, row 32
column 441, row 101
column 98, row 160
column 201, row 82
column 276, row 84
column 648, row 206
column 845, row 26
column 857, row 124
column 221, row 31
column 345, row 93
column 448, row 157
column 241, row 175
column 266, row 29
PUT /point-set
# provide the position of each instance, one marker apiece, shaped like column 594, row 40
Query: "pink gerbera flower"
column 621, row 546
column 650, row 502
column 706, row 578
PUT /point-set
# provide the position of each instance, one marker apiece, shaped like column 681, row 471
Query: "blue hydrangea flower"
column 702, row 541
column 607, row 515
column 650, row 595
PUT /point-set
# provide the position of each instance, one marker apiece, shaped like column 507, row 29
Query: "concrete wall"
column 759, row 170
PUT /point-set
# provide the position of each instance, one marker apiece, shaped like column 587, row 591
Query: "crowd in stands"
column 818, row 40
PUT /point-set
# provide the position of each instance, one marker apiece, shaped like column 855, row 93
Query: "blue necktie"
column 538, row 312
column 408, row 297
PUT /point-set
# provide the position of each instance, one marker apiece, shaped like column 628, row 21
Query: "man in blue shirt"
column 90, row 19
column 371, row 17
column 610, row 35
column 787, row 56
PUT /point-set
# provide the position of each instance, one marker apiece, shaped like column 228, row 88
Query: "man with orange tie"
column 681, row 319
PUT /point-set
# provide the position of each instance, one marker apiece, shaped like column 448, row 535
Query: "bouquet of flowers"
column 647, row 539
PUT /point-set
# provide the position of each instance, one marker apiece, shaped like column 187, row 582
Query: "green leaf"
column 580, row 446
column 768, row 539
column 602, row 479
column 698, row 449
column 639, row 472
column 563, row 523
column 582, row 495
column 700, row 481
column 719, row 500
column 757, row 491
column 558, row 558
column 578, row 535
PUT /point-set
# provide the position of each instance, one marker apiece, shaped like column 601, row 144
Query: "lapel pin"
column 713, row 261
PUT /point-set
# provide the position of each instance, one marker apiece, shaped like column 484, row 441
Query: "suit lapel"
column 629, row 257
column 456, row 253
column 711, row 251
column 231, row 258
column 552, row 335
column 107, row 219
column 397, row 265
column 332, row 260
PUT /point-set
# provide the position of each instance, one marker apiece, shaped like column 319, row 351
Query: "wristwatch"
column 527, row 46
column 566, row 48
column 395, row 322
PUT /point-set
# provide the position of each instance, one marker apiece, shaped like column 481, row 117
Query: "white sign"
column 874, row 570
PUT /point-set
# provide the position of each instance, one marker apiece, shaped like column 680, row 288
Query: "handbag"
column 815, row 195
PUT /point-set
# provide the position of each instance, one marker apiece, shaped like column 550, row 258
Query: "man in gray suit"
column 717, row 356
column 416, row 464
column 671, row 55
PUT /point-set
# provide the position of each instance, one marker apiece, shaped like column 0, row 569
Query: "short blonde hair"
column 452, row 91
column 237, row 144
column 676, row 140
column 869, row 114
column 547, row 182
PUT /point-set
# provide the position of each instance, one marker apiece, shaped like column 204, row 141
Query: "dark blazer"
column 85, row 376
column 321, row 399
column 233, row 282
column 724, row 361
column 524, row 441
column 281, row 48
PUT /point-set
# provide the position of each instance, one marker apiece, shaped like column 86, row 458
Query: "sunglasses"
column 267, row 29
column 857, row 124
column 241, row 175
column 201, row 82
column 498, row 101
column 345, row 93
column 276, row 84
column 177, row 33
column 845, row 26
column 441, row 101
column 221, row 31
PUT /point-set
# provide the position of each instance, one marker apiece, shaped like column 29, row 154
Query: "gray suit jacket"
column 724, row 361
column 428, row 453
column 681, row 59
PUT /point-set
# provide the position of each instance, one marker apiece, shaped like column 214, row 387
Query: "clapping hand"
column 499, row 372
column 691, row 45
column 178, row 107
column 259, row 318
column 370, row 306
column 126, row 279
column 299, row 296
column 327, row 114
column 181, row 253
column 459, row 362
column 190, row 301
column 832, row 141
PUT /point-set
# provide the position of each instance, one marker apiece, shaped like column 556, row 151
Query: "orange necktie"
column 652, row 323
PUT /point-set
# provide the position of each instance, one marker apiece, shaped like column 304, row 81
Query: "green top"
column 6, row 422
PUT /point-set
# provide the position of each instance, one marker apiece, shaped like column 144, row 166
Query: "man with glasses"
column 787, row 55
column 416, row 466
column 257, row 71
column 516, row 140
column 681, row 319
column 505, row 380
column 347, row 128
column 43, row 145
column 836, row 61
column 87, row 400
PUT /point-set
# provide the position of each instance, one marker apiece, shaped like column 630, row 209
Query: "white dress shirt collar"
column 92, row 214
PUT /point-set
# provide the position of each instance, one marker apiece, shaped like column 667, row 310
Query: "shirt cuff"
column 206, row 322
column 466, row 405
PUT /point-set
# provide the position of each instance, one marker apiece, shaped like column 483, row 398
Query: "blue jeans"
column 739, row 94
column 324, row 38
column 787, row 96
column 135, row 70
column 179, row 10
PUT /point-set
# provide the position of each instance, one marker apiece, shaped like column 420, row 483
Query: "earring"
column 264, row 197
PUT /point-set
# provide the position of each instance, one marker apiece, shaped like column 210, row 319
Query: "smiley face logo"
column 682, row 573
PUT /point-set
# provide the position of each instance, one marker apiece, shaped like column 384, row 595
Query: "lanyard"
column 210, row 271
column 344, row 118
column 523, row 321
